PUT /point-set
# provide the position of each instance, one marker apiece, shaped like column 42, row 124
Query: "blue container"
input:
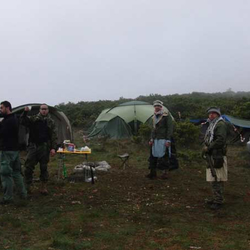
column 71, row 147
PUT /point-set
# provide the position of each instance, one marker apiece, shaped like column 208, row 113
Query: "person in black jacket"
column 42, row 145
column 10, row 170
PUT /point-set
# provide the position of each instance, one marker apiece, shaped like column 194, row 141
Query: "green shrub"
column 186, row 134
column 137, row 139
column 190, row 156
column 144, row 133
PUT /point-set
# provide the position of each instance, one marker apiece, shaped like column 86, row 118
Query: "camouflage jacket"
column 162, row 127
column 31, row 123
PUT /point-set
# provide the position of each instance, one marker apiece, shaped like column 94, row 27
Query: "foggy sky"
column 56, row 51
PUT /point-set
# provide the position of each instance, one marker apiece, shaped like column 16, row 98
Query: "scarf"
column 157, row 117
column 209, row 136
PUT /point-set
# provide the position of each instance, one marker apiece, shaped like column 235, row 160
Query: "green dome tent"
column 123, row 120
column 63, row 127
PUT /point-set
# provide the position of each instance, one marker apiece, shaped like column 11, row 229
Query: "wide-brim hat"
column 158, row 103
column 214, row 109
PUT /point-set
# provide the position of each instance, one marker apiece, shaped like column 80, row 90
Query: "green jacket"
column 32, row 121
column 163, row 129
column 220, row 136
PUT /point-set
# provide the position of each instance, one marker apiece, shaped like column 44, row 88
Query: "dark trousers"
column 167, row 162
column 37, row 154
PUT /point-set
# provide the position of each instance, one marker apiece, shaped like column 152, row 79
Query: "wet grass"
column 124, row 210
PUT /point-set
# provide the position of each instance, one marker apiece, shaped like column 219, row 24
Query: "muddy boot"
column 29, row 189
column 209, row 201
column 43, row 189
column 152, row 174
column 216, row 206
column 6, row 202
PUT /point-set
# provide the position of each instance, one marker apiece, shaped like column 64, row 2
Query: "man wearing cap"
column 214, row 151
column 161, row 141
column 42, row 144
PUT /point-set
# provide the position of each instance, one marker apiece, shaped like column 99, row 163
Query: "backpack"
column 233, row 134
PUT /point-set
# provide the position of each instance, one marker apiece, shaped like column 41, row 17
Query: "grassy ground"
column 125, row 210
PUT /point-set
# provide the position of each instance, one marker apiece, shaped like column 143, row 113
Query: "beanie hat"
column 158, row 103
column 214, row 109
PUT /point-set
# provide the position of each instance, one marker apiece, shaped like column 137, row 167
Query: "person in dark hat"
column 162, row 153
column 214, row 150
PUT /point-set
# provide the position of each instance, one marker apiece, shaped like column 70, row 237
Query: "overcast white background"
column 57, row 51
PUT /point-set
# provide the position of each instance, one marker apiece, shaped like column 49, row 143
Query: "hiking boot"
column 29, row 189
column 209, row 201
column 6, row 202
column 215, row 206
column 151, row 176
column 43, row 189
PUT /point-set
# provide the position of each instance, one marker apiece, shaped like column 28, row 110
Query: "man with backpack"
column 10, row 162
column 214, row 151
column 42, row 144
